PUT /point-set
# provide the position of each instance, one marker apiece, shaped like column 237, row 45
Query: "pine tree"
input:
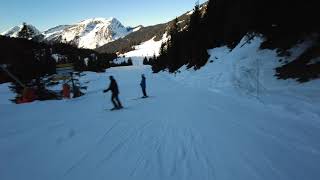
column 129, row 62
column 79, row 65
column 160, row 62
column 173, row 47
column 163, row 50
column 174, row 29
column 25, row 32
column 92, row 65
column 194, row 37
column 154, row 57
column 195, row 20
column 145, row 61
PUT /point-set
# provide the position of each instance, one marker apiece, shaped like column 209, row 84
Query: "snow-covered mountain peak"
column 90, row 33
column 99, row 20
column 14, row 31
column 11, row 31
column 111, row 23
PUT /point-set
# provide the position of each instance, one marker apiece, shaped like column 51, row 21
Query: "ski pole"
column 12, row 76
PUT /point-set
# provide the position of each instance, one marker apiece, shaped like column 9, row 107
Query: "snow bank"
column 249, row 72
column 6, row 94
column 58, row 57
column 137, row 29
column 245, row 68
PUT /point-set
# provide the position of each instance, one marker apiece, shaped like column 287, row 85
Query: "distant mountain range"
column 103, row 35
column 89, row 34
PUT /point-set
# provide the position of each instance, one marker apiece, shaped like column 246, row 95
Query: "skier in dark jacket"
column 143, row 86
column 115, row 93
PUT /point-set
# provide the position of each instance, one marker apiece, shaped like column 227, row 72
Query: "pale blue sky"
column 45, row 14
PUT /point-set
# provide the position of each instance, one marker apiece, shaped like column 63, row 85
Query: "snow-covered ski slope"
column 203, row 125
column 147, row 49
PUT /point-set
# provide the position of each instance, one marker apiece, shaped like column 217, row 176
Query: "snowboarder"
column 143, row 86
column 115, row 92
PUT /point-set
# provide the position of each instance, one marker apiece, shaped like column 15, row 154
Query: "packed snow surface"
column 207, row 124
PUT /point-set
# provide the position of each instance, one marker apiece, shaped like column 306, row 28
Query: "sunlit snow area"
column 231, row 120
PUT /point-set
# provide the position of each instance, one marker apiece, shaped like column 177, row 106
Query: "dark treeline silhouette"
column 225, row 22
column 29, row 60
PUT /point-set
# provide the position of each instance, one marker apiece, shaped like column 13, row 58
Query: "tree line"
column 29, row 60
column 225, row 22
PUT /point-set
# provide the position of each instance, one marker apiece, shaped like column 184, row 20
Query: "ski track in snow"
column 182, row 133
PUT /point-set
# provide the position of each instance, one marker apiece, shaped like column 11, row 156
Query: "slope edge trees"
column 186, row 47
column 31, row 61
column 225, row 22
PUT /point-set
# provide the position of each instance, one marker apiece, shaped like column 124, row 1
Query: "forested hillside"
column 283, row 24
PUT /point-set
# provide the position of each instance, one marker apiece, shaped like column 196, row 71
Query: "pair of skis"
column 116, row 109
column 143, row 97
column 135, row 99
